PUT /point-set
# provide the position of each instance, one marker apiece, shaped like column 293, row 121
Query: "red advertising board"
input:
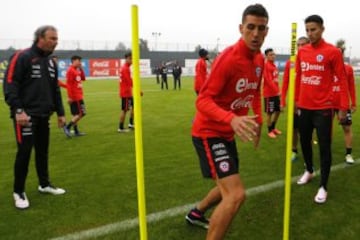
column 104, row 67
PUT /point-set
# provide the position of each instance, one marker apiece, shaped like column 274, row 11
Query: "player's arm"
column 285, row 84
column 351, row 83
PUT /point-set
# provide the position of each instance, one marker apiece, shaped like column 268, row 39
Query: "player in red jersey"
column 126, row 94
column 271, row 93
column 222, row 107
column 74, row 77
column 300, row 42
column 201, row 73
column 346, row 125
column 316, row 64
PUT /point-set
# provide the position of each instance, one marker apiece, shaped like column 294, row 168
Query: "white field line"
column 171, row 212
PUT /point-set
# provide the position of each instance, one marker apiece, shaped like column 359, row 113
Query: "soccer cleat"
column 131, row 126
column 67, row 132
column 294, row 156
column 79, row 134
column 349, row 159
column 196, row 218
column 276, row 131
column 272, row 134
column 52, row 190
column 123, row 130
column 321, row 195
column 305, row 178
column 21, row 201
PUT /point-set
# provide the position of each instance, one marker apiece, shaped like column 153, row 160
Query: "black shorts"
column 126, row 103
column 348, row 119
column 272, row 104
column 296, row 121
column 78, row 108
column 217, row 156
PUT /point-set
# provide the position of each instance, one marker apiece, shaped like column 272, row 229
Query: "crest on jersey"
column 258, row 71
column 224, row 166
column 319, row 58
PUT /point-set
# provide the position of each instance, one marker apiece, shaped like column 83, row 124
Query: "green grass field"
column 99, row 173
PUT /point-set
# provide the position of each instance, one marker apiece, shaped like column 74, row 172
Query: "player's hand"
column 61, row 121
column 22, row 119
column 342, row 116
column 257, row 137
column 353, row 109
column 245, row 127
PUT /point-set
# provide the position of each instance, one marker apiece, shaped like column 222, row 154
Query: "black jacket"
column 31, row 83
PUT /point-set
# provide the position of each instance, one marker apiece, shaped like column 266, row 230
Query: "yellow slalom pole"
column 138, row 124
column 289, row 136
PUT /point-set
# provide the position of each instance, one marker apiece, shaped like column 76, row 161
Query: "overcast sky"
column 181, row 21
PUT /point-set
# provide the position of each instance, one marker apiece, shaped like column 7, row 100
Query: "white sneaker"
column 349, row 159
column 294, row 156
column 21, row 201
column 123, row 130
column 305, row 178
column 131, row 125
column 321, row 195
column 52, row 190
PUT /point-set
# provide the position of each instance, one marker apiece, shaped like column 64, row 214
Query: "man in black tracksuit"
column 163, row 73
column 177, row 75
column 32, row 93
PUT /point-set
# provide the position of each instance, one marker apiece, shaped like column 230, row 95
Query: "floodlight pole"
column 156, row 35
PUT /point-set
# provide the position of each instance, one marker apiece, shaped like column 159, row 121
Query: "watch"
column 19, row 110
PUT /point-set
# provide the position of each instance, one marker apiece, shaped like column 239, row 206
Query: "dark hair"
column 203, row 52
column 128, row 54
column 268, row 50
column 40, row 32
column 306, row 39
column 75, row 57
column 314, row 18
column 256, row 10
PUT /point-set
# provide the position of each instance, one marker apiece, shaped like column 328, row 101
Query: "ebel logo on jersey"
column 305, row 66
column 243, row 84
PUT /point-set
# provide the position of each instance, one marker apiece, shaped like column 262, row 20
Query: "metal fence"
column 114, row 45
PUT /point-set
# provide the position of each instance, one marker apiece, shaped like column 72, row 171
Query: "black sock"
column 131, row 121
column 121, row 125
column 273, row 125
column 69, row 125
column 76, row 129
column 348, row 151
column 295, row 150
column 269, row 129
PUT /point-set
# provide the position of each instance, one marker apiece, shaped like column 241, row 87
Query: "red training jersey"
column 271, row 80
column 315, row 67
column 232, row 88
column 200, row 74
column 125, row 83
column 74, row 78
column 351, row 86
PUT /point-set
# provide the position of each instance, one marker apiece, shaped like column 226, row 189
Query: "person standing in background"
column 271, row 93
column 74, row 77
column 201, row 72
column 316, row 65
column 126, row 94
column 177, row 71
column 346, row 124
column 286, row 77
